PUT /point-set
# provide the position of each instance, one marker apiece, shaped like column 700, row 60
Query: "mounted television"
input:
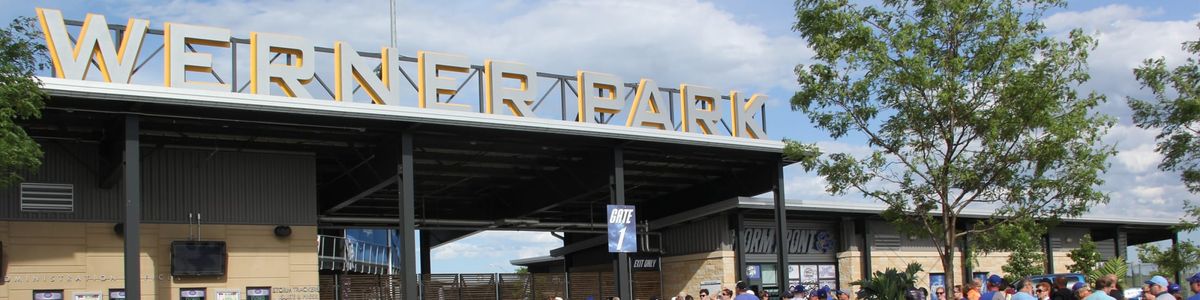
column 198, row 258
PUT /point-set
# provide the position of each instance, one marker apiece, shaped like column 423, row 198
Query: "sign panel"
column 116, row 294
column 229, row 295
column 87, row 296
column 192, row 294
column 799, row 241
column 645, row 264
column 258, row 293
column 622, row 229
column 48, row 295
column 702, row 110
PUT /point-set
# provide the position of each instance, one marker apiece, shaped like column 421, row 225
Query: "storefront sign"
column 799, row 241
column 116, row 294
column 192, row 294
column 87, row 296
column 48, row 295
column 229, row 295
column 258, row 293
column 438, row 76
column 622, row 229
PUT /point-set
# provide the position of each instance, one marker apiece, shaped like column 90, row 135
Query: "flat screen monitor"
column 198, row 258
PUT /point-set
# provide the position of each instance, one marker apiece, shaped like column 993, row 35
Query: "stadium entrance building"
column 184, row 162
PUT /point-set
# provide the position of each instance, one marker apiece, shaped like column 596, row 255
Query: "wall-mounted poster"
column 86, row 296
column 936, row 280
column 48, row 295
column 229, row 295
column 192, row 294
column 258, row 293
column 794, row 272
column 808, row 273
column 752, row 272
column 827, row 271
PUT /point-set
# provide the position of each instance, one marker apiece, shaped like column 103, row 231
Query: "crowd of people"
column 993, row 288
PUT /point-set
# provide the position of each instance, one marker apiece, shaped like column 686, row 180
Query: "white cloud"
column 670, row 41
column 1140, row 159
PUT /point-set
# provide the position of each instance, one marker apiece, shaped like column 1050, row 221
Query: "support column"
column 624, row 276
column 408, row 236
column 867, row 238
column 426, row 265
column 1049, row 250
column 780, row 229
column 1174, row 244
column 133, row 209
column 968, row 273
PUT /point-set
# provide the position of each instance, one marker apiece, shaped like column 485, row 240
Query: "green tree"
column 1114, row 266
column 1171, row 261
column 1023, row 241
column 965, row 103
column 21, row 97
column 1174, row 112
column 1085, row 258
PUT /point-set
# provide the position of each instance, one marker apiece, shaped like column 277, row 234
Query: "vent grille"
column 887, row 241
column 47, row 197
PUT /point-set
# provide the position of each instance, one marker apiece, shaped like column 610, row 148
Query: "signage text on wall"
column 756, row 240
column 508, row 87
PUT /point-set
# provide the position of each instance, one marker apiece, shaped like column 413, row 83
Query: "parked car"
column 1072, row 278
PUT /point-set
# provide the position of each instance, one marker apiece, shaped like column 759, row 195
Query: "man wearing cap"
column 1194, row 283
column 1158, row 288
column 1080, row 290
column 744, row 292
column 994, row 283
column 1024, row 291
column 798, row 292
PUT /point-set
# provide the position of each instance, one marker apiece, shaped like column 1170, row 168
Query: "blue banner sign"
column 622, row 229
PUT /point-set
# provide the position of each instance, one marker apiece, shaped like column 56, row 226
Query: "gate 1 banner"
column 622, row 229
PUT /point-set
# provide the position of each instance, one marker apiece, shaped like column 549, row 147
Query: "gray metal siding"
column 700, row 236
column 68, row 163
column 1067, row 238
column 224, row 187
column 886, row 233
column 229, row 187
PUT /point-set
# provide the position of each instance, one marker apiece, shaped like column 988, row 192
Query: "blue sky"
column 745, row 45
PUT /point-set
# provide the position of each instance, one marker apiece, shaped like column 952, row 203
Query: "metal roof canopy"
column 473, row 171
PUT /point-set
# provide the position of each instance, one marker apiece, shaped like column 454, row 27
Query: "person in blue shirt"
column 743, row 292
column 1194, row 284
column 993, row 292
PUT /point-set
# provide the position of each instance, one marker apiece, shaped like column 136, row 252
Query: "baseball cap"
column 799, row 288
column 1078, row 286
column 1157, row 280
column 1174, row 288
column 995, row 279
column 1194, row 278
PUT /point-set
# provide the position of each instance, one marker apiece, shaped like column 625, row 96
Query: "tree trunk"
column 948, row 263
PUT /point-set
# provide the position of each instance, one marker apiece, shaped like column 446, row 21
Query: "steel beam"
column 133, row 209
column 781, row 250
column 624, row 276
column 408, row 236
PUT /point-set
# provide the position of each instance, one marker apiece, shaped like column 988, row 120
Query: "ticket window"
column 192, row 294
column 48, row 295
column 764, row 277
column 258, row 293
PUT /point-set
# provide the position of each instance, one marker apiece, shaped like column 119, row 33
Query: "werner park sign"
column 508, row 88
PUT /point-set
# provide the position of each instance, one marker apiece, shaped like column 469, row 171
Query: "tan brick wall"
column 684, row 273
column 88, row 257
